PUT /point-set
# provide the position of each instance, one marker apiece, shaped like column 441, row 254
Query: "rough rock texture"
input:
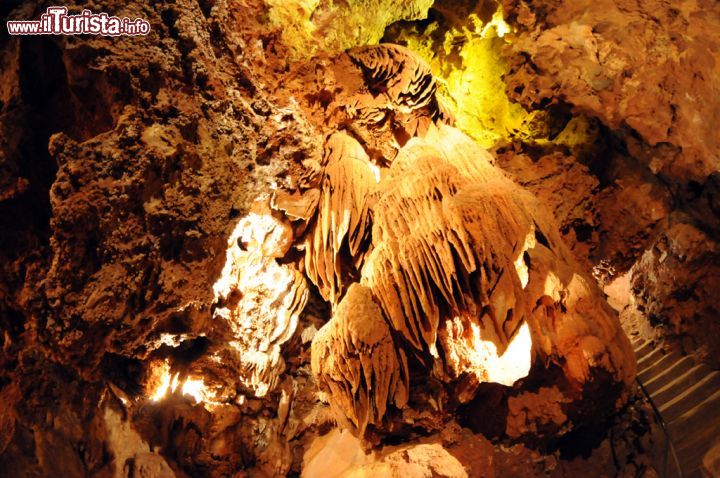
column 608, row 221
column 260, row 299
column 462, row 43
column 158, row 145
column 647, row 66
column 185, row 218
column 458, row 262
column 338, row 454
column 646, row 74
column 676, row 283
column 309, row 26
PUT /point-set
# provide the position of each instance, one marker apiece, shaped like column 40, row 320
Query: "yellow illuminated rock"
column 467, row 60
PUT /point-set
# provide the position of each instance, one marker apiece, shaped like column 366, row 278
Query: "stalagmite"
column 357, row 364
column 445, row 238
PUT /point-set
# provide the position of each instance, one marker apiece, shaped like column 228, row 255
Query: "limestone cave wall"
column 360, row 238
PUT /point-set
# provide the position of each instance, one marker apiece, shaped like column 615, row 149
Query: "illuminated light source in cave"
column 520, row 266
column 497, row 23
column 161, row 381
column 375, row 170
column 173, row 340
column 505, row 368
column 196, row 388
column 553, row 286
column 467, row 61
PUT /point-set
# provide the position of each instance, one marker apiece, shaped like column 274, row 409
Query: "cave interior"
column 307, row 238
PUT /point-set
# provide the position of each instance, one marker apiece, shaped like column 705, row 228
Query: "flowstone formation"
column 460, row 269
column 260, row 299
column 255, row 242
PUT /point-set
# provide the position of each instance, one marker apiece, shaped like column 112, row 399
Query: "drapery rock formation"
column 357, row 363
column 334, row 247
column 457, row 260
column 223, row 242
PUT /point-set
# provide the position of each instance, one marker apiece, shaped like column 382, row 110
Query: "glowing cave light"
column 509, row 367
column 375, row 170
column 553, row 286
column 468, row 63
column 162, row 381
column 498, row 23
column 260, row 298
column 196, row 388
column 520, row 266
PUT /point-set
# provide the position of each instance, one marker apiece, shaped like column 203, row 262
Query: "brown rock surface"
column 160, row 143
column 608, row 218
column 214, row 256
column 357, row 364
column 415, row 461
column 675, row 285
column 647, row 66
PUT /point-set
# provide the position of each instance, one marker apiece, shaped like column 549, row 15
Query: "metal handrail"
column 668, row 440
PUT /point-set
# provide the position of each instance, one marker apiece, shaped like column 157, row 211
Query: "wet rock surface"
column 232, row 248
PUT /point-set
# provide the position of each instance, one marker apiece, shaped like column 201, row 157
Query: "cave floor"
column 687, row 396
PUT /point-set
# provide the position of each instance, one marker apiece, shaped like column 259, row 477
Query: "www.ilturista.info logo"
column 56, row 21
